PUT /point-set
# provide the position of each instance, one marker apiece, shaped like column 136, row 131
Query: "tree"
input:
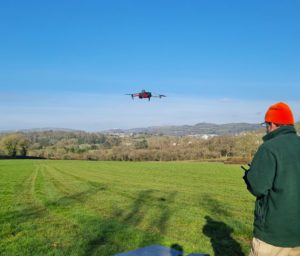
column 141, row 144
column 10, row 143
column 15, row 142
column 23, row 145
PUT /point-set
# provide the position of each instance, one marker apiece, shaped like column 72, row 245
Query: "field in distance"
column 103, row 208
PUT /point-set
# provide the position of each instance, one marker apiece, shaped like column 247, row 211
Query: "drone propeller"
column 159, row 96
column 131, row 94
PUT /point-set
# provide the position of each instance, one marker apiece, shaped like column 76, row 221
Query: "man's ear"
column 274, row 126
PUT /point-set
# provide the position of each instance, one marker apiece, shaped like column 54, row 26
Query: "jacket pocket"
column 261, row 207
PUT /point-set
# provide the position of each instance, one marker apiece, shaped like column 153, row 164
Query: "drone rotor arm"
column 159, row 96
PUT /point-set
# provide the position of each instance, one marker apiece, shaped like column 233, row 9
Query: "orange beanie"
column 279, row 113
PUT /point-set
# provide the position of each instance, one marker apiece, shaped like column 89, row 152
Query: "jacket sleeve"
column 260, row 177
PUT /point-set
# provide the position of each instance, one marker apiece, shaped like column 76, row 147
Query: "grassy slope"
column 102, row 208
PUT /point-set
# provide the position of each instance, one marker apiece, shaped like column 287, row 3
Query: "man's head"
column 277, row 115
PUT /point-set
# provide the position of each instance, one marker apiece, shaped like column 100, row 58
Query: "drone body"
column 145, row 95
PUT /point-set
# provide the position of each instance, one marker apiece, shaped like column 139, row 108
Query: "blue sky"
column 69, row 63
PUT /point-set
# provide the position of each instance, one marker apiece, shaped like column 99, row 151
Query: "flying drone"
column 145, row 95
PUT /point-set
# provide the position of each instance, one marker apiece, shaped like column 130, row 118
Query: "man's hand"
column 246, row 171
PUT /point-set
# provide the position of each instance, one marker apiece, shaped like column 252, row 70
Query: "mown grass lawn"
column 103, row 208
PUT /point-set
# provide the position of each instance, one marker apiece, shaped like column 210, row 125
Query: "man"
column 274, row 178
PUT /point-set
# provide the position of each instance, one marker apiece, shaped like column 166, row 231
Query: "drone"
column 145, row 95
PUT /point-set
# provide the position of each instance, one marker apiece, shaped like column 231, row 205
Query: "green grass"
column 103, row 208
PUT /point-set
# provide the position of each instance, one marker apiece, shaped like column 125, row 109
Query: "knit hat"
column 279, row 113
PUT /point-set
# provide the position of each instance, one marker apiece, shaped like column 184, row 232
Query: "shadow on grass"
column 213, row 206
column 79, row 197
column 15, row 218
column 116, row 233
column 39, row 210
column 108, row 237
column 220, row 237
column 120, row 234
column 145, row 202
column 178, row 247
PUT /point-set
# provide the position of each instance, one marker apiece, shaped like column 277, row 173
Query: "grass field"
column 103, row 208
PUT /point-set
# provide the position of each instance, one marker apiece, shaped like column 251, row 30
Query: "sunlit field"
column 104, row 208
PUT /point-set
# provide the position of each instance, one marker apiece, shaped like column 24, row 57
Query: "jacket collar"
column 286, row 129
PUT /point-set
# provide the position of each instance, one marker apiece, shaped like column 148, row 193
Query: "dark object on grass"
column 156, row 250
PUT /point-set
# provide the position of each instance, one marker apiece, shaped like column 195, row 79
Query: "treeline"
column 98, row 146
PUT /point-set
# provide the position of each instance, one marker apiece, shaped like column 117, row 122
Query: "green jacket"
column 274, row 178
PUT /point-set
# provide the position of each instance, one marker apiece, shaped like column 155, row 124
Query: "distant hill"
column 197, row 129
column 41, row 130
column 173, row 130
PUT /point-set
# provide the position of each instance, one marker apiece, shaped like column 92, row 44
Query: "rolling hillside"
column 200, row 128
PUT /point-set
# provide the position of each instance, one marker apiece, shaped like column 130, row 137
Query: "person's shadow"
column 220, row 237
